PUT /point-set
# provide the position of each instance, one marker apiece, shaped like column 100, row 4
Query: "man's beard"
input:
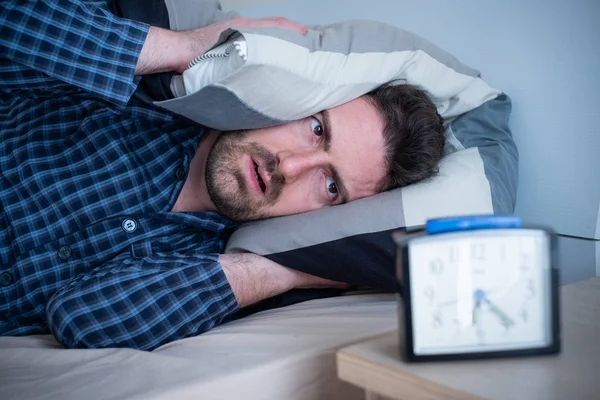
column 226, row 182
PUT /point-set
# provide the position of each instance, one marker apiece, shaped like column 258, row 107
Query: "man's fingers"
column 285, row 23
column 198, row 41
column 270, row 22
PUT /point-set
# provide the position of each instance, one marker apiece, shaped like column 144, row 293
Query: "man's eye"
column 332, row 189
column 316, row 126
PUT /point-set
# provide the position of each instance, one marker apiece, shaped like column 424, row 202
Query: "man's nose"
column 292, row 164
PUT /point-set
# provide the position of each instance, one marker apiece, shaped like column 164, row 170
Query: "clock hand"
column 461, row 299
column 476, row 310
column 506, row 320
column 479, row 296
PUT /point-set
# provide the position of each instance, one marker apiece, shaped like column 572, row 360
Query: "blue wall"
column 544, row 54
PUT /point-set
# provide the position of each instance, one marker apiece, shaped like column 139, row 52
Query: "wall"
column 241, row 4
column 546, row 55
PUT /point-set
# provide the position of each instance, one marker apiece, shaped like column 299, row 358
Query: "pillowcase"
column 264, row 77
column 234, row 86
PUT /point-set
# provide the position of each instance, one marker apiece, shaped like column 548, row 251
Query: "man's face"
column 330, row 158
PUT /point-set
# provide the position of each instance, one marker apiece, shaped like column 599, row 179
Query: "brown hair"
column 413, row 134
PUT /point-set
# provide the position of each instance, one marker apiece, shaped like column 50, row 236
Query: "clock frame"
column 403, row 241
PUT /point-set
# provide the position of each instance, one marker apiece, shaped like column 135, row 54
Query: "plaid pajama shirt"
column 89, row 249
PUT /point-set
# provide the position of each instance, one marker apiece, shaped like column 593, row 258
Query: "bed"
column 284, row 353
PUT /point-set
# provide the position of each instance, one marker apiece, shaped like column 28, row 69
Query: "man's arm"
column 166, row 50
column 145, row 302
column 83, row 44
column 254, row 278
column 79, row 43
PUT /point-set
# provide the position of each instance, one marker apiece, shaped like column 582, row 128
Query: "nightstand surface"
column 376, row 366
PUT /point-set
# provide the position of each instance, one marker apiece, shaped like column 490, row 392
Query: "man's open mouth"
column 261, row 183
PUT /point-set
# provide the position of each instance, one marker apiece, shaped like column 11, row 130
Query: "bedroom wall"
column 546, row 55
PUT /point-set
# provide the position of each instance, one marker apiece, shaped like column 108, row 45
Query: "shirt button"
column 129, row 225
column 180, row 173
column 5, row 279
column 64, row 252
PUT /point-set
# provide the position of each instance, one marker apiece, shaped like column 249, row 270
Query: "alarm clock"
column 477, row 287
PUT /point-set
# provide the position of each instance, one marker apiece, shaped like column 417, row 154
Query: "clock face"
column 480, row 291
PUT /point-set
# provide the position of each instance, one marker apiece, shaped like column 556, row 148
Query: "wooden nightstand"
column 376, row 366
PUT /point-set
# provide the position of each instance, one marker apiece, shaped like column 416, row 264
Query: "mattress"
column 285, row 353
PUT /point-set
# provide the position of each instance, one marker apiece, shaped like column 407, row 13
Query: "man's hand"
column 166, row 50
column 254, row 278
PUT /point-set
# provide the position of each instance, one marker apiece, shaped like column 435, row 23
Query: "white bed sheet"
column 286, row 353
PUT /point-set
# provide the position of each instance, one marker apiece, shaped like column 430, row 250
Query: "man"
column 113, row 214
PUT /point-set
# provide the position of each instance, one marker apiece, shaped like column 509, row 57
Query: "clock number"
column 503, row 252
column 523, row 314
column 530, row 289
column 480, row 334
column 478, row 251
column 438, row 319
column 457, row 326
column 436, row 266
column 524, row 257
column 429, row 293
column 453, row 254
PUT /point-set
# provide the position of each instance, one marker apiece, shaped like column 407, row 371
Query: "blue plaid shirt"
column 89, row 249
